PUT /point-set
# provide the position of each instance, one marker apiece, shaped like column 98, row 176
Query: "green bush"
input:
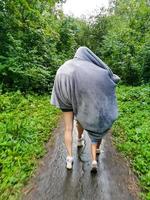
column 120, row 36
column 36, row 38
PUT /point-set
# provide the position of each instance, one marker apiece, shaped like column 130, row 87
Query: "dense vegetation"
column 35, row 39
column 132, row 130
column 26, row 123
column 121, row 36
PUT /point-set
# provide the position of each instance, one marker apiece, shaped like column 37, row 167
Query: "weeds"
column 26, row 123
column 132, row 131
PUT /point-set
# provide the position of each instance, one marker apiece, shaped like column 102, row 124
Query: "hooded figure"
column 86, row 85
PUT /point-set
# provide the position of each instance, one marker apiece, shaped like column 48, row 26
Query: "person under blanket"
column 84, row 89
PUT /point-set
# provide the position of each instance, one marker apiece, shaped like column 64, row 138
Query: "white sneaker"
column 69, row 162
column 97, row 151
column 80, row 142
column 94, row 166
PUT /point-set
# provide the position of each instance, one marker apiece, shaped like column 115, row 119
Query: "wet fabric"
column 87, row 85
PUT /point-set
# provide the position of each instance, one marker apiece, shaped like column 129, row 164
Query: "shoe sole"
column 94, row 170
column 69, row 168
column 79, row 146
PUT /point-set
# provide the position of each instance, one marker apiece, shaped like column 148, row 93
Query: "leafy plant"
column 131, row 131
column 26, row 123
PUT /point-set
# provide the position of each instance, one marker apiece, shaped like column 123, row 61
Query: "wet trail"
column 114, row 180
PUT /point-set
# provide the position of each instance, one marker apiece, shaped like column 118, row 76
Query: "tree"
column 127, row 37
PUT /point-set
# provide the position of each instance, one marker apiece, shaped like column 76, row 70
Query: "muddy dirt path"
column 114, row 180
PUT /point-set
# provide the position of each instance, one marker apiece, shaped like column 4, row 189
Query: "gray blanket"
column 87, row 85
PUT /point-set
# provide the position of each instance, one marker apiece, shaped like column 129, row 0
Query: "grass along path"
column 26, row 123
column 132, row 131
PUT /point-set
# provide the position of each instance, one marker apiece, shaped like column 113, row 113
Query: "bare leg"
column 94, row 161
column 68, row 119
column 93, row 150
column 80, row 130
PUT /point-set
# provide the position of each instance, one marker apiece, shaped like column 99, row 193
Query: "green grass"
column 132, row 131
column 26, row 123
